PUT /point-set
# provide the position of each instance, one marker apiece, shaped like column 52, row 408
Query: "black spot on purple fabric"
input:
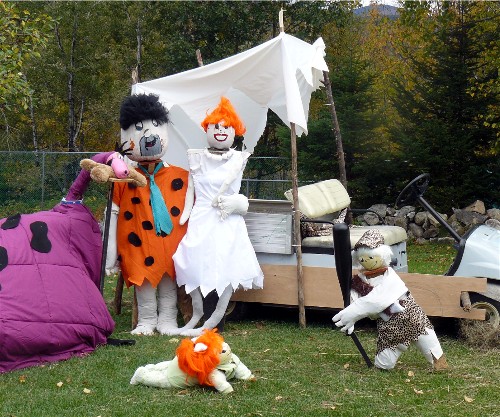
column 40, row 241
column 147, row 225
column 136, row 200
column 4, row 258
column 131, row 186
column 134, row 239
column 149, row 261
column 177, row 184
column 174, row 211
column 128, row 215
column 11, row 222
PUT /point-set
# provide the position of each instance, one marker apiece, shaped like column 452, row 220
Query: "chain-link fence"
column 34, row 181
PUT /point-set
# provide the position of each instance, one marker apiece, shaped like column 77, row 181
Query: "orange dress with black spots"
column 143, row 254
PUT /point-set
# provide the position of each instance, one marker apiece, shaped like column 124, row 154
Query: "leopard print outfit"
column 402, row 328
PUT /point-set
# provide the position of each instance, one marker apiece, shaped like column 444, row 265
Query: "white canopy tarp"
column 279, row 75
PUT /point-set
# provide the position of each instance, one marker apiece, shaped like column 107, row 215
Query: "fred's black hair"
column 141, row 107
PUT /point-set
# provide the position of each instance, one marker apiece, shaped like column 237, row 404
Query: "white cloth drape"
column 279, row 75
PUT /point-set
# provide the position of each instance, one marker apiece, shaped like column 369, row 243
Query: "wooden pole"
column 296, row 229
column 336, row 129
column 296, row 213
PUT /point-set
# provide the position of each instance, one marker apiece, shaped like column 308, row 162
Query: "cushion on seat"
column 321, row 198
column 391, row 234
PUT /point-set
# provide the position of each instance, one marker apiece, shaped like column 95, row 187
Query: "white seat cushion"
column 391, row 234
column 321, row 198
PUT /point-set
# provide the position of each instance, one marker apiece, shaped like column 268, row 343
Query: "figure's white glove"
column 232, row 204
column 346, row 318
column 112, row 250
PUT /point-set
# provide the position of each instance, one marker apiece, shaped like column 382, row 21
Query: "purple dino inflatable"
column 50, row 304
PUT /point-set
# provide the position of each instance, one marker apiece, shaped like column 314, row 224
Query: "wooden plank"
column 321, row 287
column 438, row 295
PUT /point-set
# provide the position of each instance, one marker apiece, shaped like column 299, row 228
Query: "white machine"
column 478, row 252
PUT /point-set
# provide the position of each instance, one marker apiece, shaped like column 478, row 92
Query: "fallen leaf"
column 22, row 379
column 411, row 373
column 407, row 380
column 346, row 366
column 86, row 391
column 59, row 384
column 279, row 397
column 173, row 340
column 183, row 392
column 418, row 391
column 329, row 405
column 468, row 399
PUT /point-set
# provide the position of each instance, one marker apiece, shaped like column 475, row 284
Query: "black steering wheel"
column 415, row 189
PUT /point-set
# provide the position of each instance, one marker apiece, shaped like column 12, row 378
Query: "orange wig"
column 200, row 364
column 225, row 111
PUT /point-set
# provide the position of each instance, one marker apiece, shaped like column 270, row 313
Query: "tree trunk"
column 33, row 125
column 71, row 98
column 81, row 143
column 136, row 74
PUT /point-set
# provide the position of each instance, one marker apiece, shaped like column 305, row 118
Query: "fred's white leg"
column 388, row 357
column 167, row 306
column 146, row 309
column 217, row 315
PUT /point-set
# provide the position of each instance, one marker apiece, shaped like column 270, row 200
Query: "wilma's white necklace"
column 219, row 157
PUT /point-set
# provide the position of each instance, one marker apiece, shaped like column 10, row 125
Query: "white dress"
column 216, row 253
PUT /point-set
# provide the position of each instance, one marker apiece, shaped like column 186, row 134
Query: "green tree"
column 442, row 132
column 85, row 72
column 357, row 58
column 22, row 38
column 80, row 77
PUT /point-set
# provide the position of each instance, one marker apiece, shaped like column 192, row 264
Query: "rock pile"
column 422, row 226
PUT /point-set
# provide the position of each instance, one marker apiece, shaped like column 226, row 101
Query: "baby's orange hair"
column 225, row 111
column 200, row 364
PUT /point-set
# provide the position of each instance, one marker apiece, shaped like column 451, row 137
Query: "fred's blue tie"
column 161, row 216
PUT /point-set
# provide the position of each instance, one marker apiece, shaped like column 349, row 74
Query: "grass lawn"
column 300, row 372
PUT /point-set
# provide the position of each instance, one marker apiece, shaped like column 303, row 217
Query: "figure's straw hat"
column 371, row 238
